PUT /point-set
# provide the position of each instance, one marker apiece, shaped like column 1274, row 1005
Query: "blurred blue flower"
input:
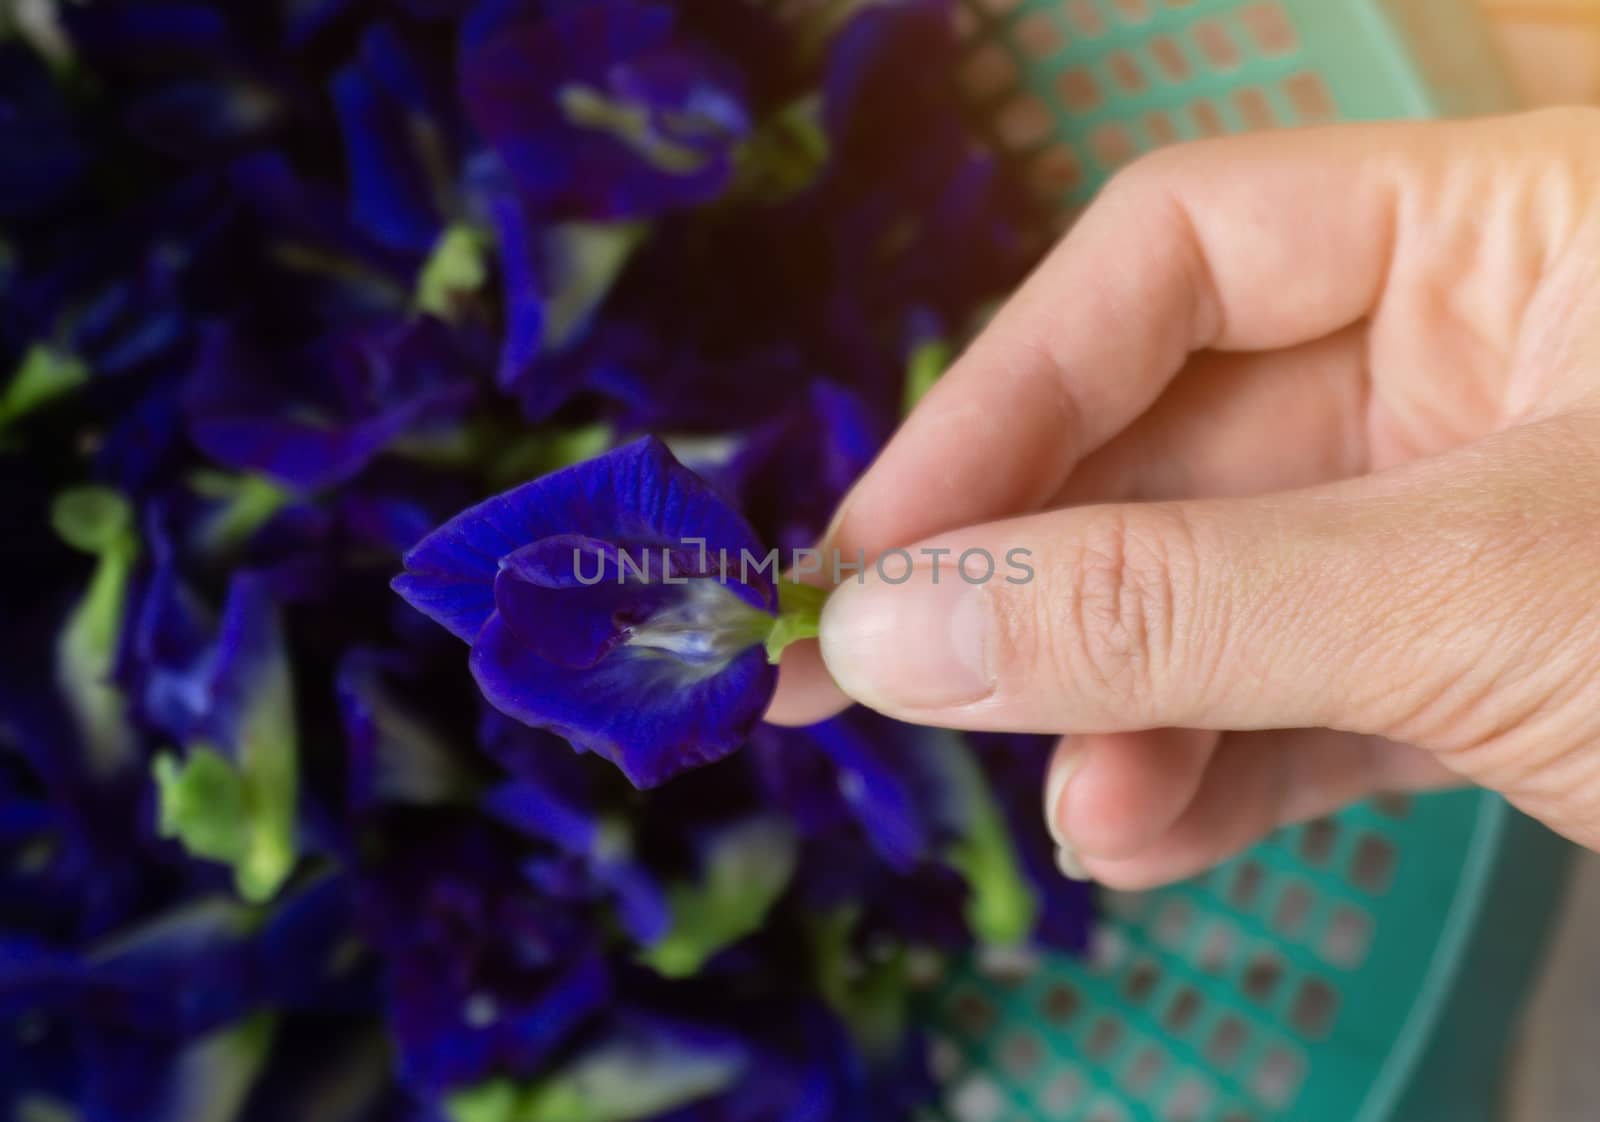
column 600, row 109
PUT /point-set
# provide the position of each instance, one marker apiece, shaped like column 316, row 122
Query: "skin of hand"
column 1302, row 431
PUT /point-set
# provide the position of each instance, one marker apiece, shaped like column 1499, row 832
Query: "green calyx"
column 799, row 617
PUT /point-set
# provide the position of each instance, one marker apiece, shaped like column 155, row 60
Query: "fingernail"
column 1071, row 865
column 916, row 645
column 1063, row 766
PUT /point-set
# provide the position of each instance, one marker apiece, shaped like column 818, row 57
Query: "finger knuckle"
column 1122, row 591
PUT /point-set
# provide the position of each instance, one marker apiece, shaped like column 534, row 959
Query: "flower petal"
column 650, row 714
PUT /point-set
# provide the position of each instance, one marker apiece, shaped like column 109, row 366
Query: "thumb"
column 1444, row 604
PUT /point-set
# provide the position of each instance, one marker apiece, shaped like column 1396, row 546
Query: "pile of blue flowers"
column 330, row 331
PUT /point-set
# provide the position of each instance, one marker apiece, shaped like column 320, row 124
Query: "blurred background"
column 1553, row 49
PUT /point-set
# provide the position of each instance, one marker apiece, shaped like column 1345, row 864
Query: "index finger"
column 1245, row 243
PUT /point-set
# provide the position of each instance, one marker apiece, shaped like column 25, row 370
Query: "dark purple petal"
column 651, row 715
column 383, row 109
column 594, row 107
column 42, row 159
column 637, row 495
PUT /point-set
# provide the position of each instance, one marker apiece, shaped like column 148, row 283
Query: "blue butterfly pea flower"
column 792, row 471
column 395, row 145
column 600, row 109
column 482, row 973
column 594, row 612
column 551, row 797
column 354, row 393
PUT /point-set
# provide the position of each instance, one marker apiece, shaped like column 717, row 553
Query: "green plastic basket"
column 1363, row 968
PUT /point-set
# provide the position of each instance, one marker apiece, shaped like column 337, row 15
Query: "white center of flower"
column 710, row 624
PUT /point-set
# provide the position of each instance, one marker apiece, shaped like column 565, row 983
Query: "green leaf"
column 202, row 804
column 746, row 870
column 458, row 265
column 494, row 1100
column 540, row 453
column 926, row 366
column 799, row 617
column 44, row 375
column 621, row 1081
column 873, row 999
column 785, row 154
column 1001, row 906
column 248, row 502
column 215, row 1074
column 98, row 521
column 92, row 519
column 585, row 260
column 241, row 811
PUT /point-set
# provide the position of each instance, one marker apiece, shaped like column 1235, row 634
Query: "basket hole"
column 1039, row 35
column 1105, row 1110
column 1078, row 89
column 973, row 1015
column 1132, row 11
column 1227, row 1042
column 1216, row 45
column 1108, row 949
column 1254, row 108
column 1217, row 948
column 1160, row 129
column 989, row 72
column 1347, row 937
column 1293, row 910
column 1056, row 171
column 1262, row 977
column 1173, row 923
column 1372, row 865
column 1395, row 805
column 1310, row 97
column 1021, row 1055
column 1126, row 72
column 1103, row 1040
column 1317, row 840
column 1277, row 1078
column 1060, row 1004
column 1315, row 1005
column 1141, row 1075
column 976, row 1099
column 1063, row 1094
column 1246, row 887
column 1025, row 121
column 1207, row 119
column 1170, row 60
column 1086, row 18
column 1183, row 1011
column 1141, row 982
column 1190, row 1101
column 1113, row 146
column 1270, row 29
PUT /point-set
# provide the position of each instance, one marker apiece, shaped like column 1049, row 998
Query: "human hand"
column 1302, row 431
